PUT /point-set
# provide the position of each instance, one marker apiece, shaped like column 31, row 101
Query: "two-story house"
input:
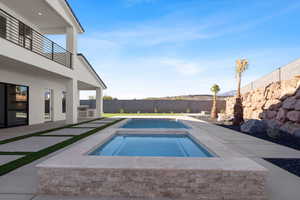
column 40, row 80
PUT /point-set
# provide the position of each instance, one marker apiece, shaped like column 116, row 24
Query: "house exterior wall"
column 31, row 68
column 83, row 73
column 37, row 84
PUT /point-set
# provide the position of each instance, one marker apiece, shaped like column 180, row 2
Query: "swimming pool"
column 154, row 123
column 161, row 145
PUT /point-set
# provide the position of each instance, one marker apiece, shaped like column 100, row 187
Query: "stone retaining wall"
column 278, row 104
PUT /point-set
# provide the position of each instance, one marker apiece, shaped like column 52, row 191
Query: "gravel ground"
column 291, row 165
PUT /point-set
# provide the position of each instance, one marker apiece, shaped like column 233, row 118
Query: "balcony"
column 24, row 36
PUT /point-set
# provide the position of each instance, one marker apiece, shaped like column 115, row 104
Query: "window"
column 25, row 36
column 17, row 105
column 63, row 102
column 13, row 105
column 2, row 27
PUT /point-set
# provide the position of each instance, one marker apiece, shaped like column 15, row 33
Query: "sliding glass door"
column 17, row 105
column 14, row 104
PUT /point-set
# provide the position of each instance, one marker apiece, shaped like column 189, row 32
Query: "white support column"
column 72, row 101
column 99, row 102
column 71, row 42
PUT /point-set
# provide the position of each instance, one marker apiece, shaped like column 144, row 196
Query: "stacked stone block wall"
column 154, row 183
column 278, row 104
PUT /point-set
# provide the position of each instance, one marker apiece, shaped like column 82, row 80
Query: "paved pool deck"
column 21, row 184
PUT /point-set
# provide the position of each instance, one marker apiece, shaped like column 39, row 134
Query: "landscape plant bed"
column 292, row 165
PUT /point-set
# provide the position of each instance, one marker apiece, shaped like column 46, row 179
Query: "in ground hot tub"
column 155, row 145
column 153, row 163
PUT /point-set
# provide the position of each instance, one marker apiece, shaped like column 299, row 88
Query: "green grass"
column 2, row 153
column 8, row 167
column 42, row 132
column 54, row 136
column 140, row 114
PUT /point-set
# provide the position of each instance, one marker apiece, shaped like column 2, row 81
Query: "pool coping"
column 229, row 174
column 77, row 156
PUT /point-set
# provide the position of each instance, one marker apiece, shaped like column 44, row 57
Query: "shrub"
column 155, row 110
column 274, row 133
column 188, row 110
column 122, row 110
column 107, row 98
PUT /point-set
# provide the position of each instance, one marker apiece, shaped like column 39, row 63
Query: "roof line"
column 73, row 13
column 80, row 54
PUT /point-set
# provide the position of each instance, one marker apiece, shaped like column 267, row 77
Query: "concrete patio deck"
column 21, row 184
column 7, row 133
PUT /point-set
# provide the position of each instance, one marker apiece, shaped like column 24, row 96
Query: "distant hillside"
column 189, row 97
column 228, row 94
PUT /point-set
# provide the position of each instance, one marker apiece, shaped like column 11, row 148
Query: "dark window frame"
column 6, row 108
column 25, row 35
column 64, row 102
column 3, row 26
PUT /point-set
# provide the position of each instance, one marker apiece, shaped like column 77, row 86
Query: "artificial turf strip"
column 8, row 167
column 86, row 127
column 54, row 136
column 5, row 153
column 42, row 132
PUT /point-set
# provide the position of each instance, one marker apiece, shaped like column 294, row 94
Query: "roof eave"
column 89, row 64
column 75, row 17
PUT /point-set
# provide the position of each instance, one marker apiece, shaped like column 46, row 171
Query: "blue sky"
column 154, row 48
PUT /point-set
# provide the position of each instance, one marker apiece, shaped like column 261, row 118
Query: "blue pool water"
column 152, row 145
column 154, row 123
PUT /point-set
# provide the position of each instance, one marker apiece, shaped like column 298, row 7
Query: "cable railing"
column 22, row 35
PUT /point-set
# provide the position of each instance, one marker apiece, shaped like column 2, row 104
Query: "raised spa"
column 154, row 123
column 174, row 145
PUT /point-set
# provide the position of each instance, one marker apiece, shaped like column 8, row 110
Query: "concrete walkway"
column 281, row 185
column 21, row 184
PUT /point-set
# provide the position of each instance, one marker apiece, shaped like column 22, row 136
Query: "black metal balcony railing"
column 19, row 33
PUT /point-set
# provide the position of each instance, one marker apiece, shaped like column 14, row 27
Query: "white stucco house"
column 40, row 80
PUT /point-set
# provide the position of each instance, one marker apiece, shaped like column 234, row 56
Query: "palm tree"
column 241, row 67
column 215, row 89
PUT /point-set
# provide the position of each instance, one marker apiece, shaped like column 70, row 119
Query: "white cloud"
column 183, row 67
column 134, row 2
column 173, row 28
column 152, row 35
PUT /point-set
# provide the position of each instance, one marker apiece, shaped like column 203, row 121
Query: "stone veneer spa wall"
column 228, row 175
